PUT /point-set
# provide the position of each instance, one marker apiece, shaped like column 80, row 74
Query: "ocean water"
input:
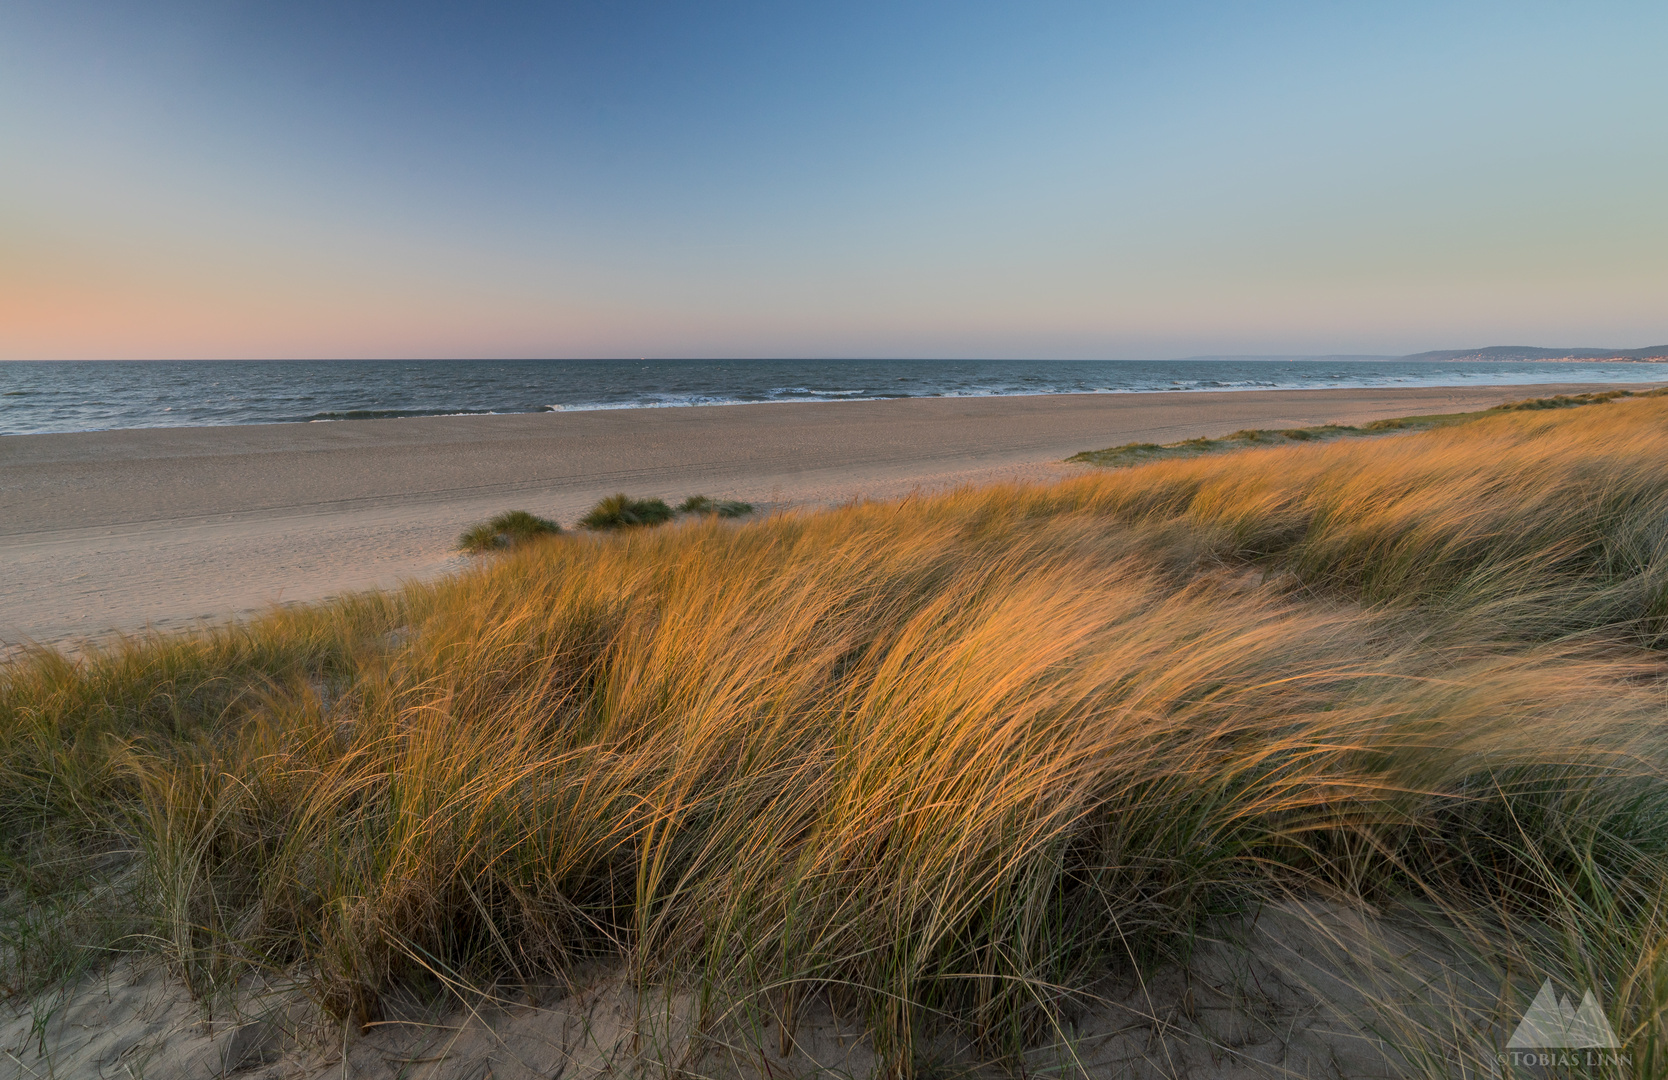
column 98, row 395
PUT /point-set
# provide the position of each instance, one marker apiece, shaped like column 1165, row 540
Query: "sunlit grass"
column 946, row 762
column 1142, row 453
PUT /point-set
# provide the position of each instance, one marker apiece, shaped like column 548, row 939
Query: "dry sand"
column 1299, row 990
column 114, row 531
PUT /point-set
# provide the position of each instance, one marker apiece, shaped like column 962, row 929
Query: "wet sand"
column 105, row 532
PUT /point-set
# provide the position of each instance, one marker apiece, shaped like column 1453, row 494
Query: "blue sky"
column 798, row 179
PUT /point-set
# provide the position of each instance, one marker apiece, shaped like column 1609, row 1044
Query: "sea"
column 95, row 395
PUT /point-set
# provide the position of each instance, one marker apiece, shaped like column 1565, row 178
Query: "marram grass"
column 947, row 762
column 624, row 512
column 506, row 531
column 704, row 504
column 1142, row 453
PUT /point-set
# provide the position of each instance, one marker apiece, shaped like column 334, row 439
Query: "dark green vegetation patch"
column 624, row 512
column 725, row 508
column 506, row 531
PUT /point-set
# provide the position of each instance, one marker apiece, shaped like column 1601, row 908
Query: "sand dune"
column 114, row 531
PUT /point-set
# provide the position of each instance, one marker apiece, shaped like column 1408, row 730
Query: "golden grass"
column 946, row 761
column 1142, row 453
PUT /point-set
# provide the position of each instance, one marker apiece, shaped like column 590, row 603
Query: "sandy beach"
column 106, row 532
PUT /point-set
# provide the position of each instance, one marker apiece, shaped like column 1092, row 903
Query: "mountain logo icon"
column 1552, row 1022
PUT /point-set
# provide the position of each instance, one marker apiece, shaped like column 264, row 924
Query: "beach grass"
column 947, row 763
column 622, row 511
column 724, row 508
column 1141, row 453
column 506, row 531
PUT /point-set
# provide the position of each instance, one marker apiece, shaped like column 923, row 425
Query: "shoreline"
column 564, row 410
column 1608, row 371
column 112, row 531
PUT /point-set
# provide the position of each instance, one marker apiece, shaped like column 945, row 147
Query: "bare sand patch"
column 1302, row 989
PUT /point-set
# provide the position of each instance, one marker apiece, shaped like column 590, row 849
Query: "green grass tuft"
column 725, row 508
column 507, row 530
column 624, row 512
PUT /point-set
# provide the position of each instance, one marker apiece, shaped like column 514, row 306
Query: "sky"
column 229, row 178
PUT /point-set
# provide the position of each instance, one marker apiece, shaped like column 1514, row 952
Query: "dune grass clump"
column 1142, row 453
column 1569, row 401
column 624, row 512
column 947, row 764
column 724, row 508
column 505, row 531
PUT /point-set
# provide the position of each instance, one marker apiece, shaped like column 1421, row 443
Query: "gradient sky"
column 298, row 179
